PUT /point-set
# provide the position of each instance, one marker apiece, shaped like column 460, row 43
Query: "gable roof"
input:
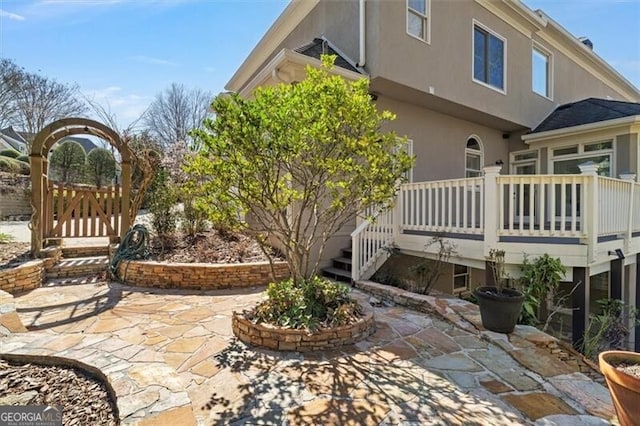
column 10, row 132
column 591, row 110
column 86, row 143
column 13, row 139
column 322, row 46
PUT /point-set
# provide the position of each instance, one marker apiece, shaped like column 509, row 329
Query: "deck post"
column 491, row 219
column 590, row 212
column 631, row 178
column 637, row 303
column 579, row 305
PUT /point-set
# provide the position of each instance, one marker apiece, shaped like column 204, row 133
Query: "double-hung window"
column 418, row 19
column 488, row 58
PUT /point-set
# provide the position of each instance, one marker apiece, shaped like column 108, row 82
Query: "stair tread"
column 337, row 271
column 342, row 259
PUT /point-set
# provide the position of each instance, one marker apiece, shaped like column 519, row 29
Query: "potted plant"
column 499, row 306
column 622, row 371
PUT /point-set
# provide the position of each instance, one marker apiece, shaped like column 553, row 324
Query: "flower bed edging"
column 199, row 276
column 24, row 277
column 286, row 339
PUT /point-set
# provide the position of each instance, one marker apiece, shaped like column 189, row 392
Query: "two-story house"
column 525, row 139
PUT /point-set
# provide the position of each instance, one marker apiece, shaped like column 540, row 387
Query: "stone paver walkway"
column 167, row 353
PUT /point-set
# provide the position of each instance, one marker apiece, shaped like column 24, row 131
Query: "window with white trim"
column 524, row 162
column 473, row 157
column 409, row 150
column 461, row 275
column 565, row 160
column 489, row 57
column 541, row 71
column 418, row 19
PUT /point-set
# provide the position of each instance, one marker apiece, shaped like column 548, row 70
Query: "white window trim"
column 474, row 152
column 409, row 174
column 466, row 274
column 478, row 24
column 513, row 163
column 427, row 19
column 550, row 76
column 582, row 154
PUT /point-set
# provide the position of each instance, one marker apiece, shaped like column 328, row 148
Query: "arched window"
column 473, row 157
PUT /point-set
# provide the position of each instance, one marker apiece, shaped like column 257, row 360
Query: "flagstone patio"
column 171, row 357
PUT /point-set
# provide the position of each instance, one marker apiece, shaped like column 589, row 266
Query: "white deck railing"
column 541, row 205
column 455, row 206
column 582, row 207
column 369, row 241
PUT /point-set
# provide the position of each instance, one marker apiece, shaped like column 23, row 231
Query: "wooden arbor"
column 81, row 212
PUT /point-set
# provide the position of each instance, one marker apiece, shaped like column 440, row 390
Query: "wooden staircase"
column 341, row 267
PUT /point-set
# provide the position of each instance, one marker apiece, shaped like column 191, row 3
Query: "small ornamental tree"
column 67, row 162
column 300, row 160
column 101, row 167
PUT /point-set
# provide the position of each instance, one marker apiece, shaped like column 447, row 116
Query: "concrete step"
column 78, row 267
column 337, row 274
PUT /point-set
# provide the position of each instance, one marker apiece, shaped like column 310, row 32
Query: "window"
column 566, row 159
column 524, row 162
column 473, row 157
column 461, row 275
column 418, row 19
column 488, row 58
column 541, row 72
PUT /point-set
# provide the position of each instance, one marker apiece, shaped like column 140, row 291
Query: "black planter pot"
column 499, row 312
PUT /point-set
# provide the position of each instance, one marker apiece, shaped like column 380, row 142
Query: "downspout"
column 363, row 56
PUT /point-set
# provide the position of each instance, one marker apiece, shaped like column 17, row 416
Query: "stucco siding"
column 444, row 66
column 439, row 140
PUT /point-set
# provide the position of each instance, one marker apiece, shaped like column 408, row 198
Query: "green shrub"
column 193, row 219
column 315, row 303
column 162, row 200
column 11, row 153
column 12, row 165
column 23, row 158
column 5, row 238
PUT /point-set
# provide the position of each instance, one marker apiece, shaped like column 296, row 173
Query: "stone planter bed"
column 24, row 277
column 199, row 276
column 284, row 339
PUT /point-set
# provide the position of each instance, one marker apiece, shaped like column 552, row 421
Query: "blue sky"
column 125, row 51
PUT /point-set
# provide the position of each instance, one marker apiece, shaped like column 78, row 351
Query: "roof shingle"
column 319, row 47
column 591, row 110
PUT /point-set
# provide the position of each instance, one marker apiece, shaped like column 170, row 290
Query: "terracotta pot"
column 499, row 311
column 624, row 388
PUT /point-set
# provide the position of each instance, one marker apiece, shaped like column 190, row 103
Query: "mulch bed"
column 13, row 254
column 84, row 400
column 207, row 247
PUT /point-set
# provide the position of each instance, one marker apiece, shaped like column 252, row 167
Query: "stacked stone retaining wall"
column 284, row 339
column 14, row 196
column 24, row 277
column 199, row 276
